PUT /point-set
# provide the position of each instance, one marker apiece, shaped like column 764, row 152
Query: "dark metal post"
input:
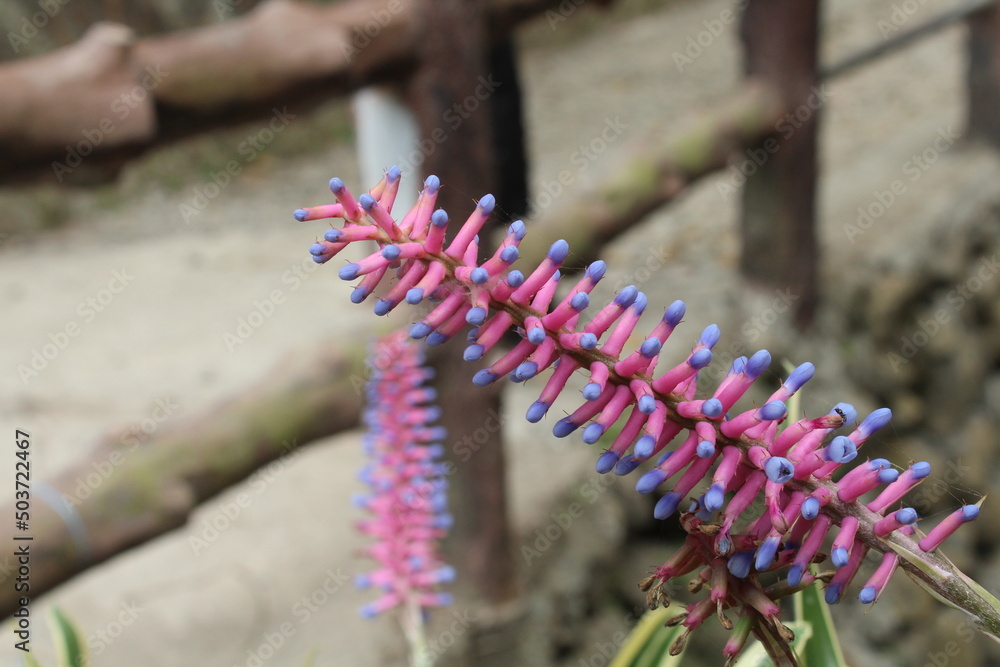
column 780, row 250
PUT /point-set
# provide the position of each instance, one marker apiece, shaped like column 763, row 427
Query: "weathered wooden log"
column 153, row 488
column 283, row 54
column 651, row 172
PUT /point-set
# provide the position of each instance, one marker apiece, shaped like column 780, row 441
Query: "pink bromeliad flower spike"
column 408, row 502
column 754, row 490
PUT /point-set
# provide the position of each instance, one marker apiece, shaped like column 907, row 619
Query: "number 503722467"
column 23, row 469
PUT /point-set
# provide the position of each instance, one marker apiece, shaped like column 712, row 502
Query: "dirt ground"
column 151, row 296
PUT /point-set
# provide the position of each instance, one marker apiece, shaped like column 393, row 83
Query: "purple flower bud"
column 715, row 498
column 795, row 573
column 710, row 336
column 473, row 352
column 644, row 446
column 627, row 465
column 666, row 505
column 432, row 184
column 525, row 371
column 580, row 301
column 359, row 294
column 833, row 593
column 476, row 316
column 536, row 335
column 650, row 481
column 536, row 411
column 773, row 411
column 627, row 296
column 382, row 307
column 705, row 449
column 810, row 508
column 479, row 275
column 336, row 185
column 517, row 229
column 799, row 377
column 419, row 330
column 779, row 469
column 739, row 564
column 868, row 594
column 592, row 391
column 646, row 404
column 414, row 296
column 841, row 450
column 515, row 278
column 711, row 408
column 588, row 341
column 332, row 235
column 558, row 251
column 650, row 347
column 483, row 378
column 757, row 364
column 366, row 201
column 349, row 272
column 875, row 421
column 675, row 313
column 564, row 427
column 766, row 553
column 439, row 218
column 592, row 433
column 487, row 204
column 596, row 270
column 606, row 462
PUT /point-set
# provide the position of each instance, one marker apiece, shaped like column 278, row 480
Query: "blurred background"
column 820, row 179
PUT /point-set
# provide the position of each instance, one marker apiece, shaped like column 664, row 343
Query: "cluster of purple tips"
column 722, row 461
column 408, row 499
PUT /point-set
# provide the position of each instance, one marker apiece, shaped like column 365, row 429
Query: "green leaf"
column 648, row 644
column 71, row 650
column 30, row 661
column 823, row 647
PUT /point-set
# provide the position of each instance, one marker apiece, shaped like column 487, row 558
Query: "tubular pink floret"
column 946, row 528
column 880, row 578
column 408, row 504
column 895, row 491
